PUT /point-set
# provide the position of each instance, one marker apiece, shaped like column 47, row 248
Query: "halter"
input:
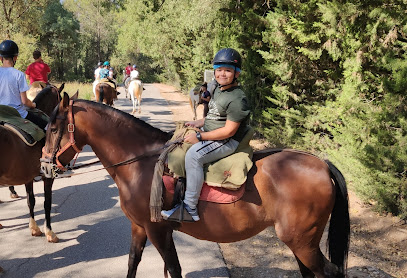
column 71, row 143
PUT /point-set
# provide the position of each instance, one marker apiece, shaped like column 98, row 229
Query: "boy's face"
column 225, row 75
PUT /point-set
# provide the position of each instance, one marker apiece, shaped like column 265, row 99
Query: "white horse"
column 135, row 90
column 194, row 97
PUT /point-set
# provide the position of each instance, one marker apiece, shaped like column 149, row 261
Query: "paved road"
column 94, row 233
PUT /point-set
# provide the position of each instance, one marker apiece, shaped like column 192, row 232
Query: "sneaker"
column 167, row 213
column 192, row 212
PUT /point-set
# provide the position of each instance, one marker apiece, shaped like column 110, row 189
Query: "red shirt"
column 128, row 70
column 38, row 71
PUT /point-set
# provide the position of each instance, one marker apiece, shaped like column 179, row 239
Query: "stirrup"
column 181, row 215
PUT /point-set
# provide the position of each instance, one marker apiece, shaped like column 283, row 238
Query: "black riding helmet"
column 228, row 56
column 8, row 49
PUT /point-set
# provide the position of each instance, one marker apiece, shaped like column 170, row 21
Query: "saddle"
column 209, row 193
column 108, row 82
column 29, row 132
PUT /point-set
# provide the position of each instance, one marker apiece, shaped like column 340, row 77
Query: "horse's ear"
column 61, row 88
column 64, row 102
column 75, row 96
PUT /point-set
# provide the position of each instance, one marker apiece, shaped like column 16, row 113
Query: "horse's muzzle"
column 49, row 169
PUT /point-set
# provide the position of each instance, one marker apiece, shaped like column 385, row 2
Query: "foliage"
column 20, row 16
column 59, row 37
column 97, row 32
column 339, row 71
column 176, row 43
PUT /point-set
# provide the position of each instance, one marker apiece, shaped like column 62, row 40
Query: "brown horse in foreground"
column 105, row 93
column 19, row 163
column 291, row 190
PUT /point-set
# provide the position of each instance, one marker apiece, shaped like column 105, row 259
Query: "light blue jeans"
column 199, row 154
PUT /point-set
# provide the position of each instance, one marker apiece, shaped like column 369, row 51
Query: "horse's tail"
column 339, row 227
column 101, row 93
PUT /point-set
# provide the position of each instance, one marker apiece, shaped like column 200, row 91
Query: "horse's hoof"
column 1, row 226
column 14, row 196
column 36, row 232
column 52, row 237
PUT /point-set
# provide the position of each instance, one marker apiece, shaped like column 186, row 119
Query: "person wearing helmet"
column 97, row 71
column 13, row 84
column 97, row 77
column 205, row 98
column 105, row 73
column 134, row 73
column 219, row 132
column 128, row 69
column 127, row 72
column 38, row 71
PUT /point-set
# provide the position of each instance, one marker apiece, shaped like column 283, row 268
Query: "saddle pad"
column 211, row 194
column 27, row 138
column 11, row 116
column 107, row 81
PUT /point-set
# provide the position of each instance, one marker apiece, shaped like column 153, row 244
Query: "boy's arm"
column 26, row 101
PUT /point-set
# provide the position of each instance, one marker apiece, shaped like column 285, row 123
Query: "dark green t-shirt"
column 230, row 104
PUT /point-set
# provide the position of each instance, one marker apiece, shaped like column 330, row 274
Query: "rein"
column 58, row 167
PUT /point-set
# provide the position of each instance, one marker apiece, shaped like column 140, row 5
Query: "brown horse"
column 291, row 190
column 19, row 163
column 105, row 93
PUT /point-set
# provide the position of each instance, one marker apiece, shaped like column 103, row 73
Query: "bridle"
column 57, row 152
column 52, row 167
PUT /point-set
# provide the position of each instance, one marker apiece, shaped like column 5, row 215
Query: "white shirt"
column 97, row 76
column 134, row 74
column 12, row 84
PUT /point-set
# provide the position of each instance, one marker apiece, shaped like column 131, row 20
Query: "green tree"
column 60, row 38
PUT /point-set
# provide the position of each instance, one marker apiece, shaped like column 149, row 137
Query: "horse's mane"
column 113, row 113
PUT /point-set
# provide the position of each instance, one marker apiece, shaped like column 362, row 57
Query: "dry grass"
column 85, row 89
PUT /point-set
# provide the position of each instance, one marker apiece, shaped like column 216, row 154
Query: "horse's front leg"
column 161, row 238
column 35, row 230
column 51, row 236
column 138, row 242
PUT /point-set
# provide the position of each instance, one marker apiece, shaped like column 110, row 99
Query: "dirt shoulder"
column 378, row 242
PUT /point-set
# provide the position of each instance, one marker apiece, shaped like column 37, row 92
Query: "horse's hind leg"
column 35, row 230
column 139, row 105
column 138, row 242
column 162, row 239
column 13, row 193
column 312, row 262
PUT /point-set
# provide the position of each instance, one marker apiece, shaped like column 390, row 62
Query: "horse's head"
column 48, row 98
column 60, row 145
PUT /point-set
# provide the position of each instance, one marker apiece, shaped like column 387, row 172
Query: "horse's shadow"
column 95, row 243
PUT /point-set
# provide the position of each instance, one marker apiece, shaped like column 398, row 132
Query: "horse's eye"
column 54, row 130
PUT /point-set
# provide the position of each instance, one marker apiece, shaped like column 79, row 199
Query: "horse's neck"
column 120, row 138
